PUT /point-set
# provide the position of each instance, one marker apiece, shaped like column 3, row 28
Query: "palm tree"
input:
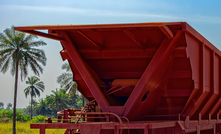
column 27, row 110
column 41, row 107
column 33, row 102
column 1, row 105
column 18, row 51
column 58, row 99
column 9, row 106
column 66, row 80
column 34, row 88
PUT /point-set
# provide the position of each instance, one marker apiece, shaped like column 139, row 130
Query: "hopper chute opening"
column 145, row 96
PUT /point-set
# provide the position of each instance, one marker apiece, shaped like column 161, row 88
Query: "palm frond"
column 4, row 46
column 66, row 80
column 4, row 58
column 37, row 92
column 5, row 67
column 34, row 86
column 37, row 43
column 66, row 67
column 9, row 36
column 13, row 66
column 21, row 48
column 4, row 40
column 30, row 37
column 6, row 51
column 38, row 55
column 23, row 69
column 27, row 91
column 34, row 64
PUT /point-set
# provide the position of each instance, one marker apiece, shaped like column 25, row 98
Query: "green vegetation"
column 58, row 99
column 38, row 119
column 66, row 80
column 47, row 107
column 19, row 52
column 9, row 106
column 1, row 105
column 34, row 88
column 67, row 83
column 41, row 107
column 6, row 115
column 24, row 128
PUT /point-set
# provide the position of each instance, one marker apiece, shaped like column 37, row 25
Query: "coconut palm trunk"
column 31, row 106
column 34, row 88
column 19, row 52
column 15, row 98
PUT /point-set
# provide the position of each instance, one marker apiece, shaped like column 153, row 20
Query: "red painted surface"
column 144, row 72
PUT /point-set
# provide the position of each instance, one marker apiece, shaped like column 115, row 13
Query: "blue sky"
column 203, row 15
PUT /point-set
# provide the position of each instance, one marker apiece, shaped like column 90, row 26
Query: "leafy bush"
column 4, row 120
column 38, row 119
column 6, row 115
column 21, row 117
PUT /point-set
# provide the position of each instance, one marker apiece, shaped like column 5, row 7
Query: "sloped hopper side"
column 143, row 71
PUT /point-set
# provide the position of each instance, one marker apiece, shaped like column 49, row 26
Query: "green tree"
column 58, row 99
column 1, row 105
column 33, row 102
column 27, row 110
column 66, row 80
column 9, row 106
column 34, row 88
column 19, row 51
column 42, row 108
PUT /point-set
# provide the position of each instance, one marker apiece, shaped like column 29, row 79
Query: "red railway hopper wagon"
column 146, row 78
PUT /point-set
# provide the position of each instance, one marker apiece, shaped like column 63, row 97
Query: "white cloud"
column 135, row 15
column 94, row 12
column 45, row 8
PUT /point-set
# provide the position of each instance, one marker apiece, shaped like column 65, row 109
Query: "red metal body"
column 152, row 77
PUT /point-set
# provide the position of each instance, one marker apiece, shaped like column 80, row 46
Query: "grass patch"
column 24, row 128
